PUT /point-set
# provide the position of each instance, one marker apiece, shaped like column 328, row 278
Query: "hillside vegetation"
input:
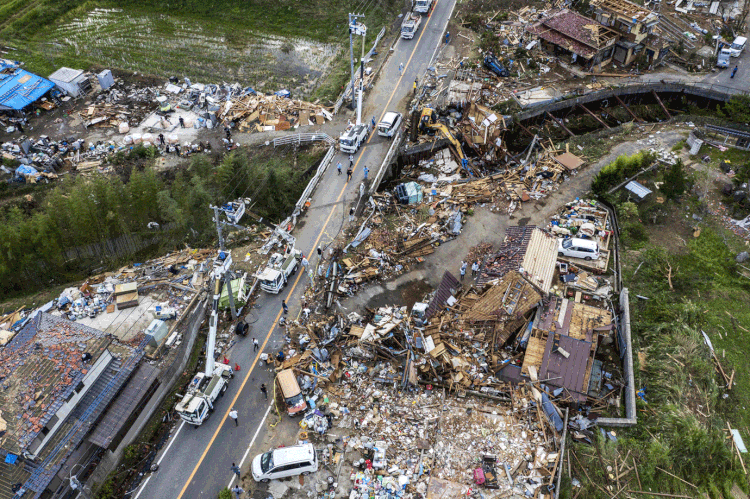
column 90, row 223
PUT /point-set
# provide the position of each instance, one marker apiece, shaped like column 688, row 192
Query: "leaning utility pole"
column 352, row 28
column 226, row 275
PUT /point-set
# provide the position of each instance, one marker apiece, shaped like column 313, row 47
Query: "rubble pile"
column 584, row 218
column 258, row 112
column 43, row 159
column 120, row 103
column 408, row 440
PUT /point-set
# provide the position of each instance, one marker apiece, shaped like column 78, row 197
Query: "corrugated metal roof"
column 448, row 287
column 122, row 407
column 637, row 189
column 65, row 75
column 19, row 88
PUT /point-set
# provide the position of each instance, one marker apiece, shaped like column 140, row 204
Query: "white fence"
column 387, row 161
column 348, row 88
column 288, row 224
column 300, row 138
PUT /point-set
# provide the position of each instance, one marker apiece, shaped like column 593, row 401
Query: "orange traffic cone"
column 236, row 366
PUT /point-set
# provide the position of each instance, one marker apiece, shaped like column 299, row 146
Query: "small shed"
column 126, row 295
column 106, row 79
column 638, row 190
column 71, row 81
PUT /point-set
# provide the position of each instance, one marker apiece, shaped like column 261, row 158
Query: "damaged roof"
column 574, row 32
column 39, row 369
column 526, row 248
column 563, row 344
column 19, row 88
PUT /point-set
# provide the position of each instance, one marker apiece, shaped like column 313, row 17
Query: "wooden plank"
column 631, row 113
column 663, row 107
column 594, row 116
column 559, row 122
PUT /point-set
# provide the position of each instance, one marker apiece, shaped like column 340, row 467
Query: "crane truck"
column 206, row 387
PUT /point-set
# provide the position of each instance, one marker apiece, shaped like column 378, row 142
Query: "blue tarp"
column 19, row 88
column 24, row 170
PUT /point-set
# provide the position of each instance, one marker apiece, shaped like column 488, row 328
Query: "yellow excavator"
column 428, row 119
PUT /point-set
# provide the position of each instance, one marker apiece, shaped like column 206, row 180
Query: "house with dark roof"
column 57, row 378
column 575, row 38
column 562, row 344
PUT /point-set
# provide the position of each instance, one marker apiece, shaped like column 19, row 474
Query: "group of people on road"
column 350, row 170
column 474, row 269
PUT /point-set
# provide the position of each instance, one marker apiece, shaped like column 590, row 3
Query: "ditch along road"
column 196, row 462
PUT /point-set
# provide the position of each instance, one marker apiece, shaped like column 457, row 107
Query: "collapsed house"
column 619, row 32
column 581, row 40
column 637, row 28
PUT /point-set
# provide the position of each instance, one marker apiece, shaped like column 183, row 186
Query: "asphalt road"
column 196, row 462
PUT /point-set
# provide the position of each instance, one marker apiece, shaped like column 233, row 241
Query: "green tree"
column 737, row 109
column 675, row 181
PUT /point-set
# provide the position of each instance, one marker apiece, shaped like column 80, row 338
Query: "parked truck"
column 422, row 6
column 353, row 137
column 410, row 25
column 722, row 60
column 276, row 274
column 198, row 403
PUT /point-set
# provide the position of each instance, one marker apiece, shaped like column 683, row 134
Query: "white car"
column 389, row 126
column 578, row 248
column 284, row 462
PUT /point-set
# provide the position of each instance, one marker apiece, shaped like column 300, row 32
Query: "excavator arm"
column 448, row 135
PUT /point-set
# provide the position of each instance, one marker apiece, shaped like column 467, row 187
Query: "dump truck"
column 276, row 274
column 353, row 137
column 422, row 6
column 410, row 25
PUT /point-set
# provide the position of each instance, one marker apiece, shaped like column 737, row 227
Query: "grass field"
column 265, row 44
column 682, row 282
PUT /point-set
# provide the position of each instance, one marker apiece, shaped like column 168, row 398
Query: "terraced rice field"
column 206, row 52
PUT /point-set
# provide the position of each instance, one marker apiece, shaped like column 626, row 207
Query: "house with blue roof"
column 19, row 88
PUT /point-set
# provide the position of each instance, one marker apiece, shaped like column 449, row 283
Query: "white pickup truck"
column 410, row 25
column 198, row 403
column 276, row 274
column 353, row 137
column 422, row 6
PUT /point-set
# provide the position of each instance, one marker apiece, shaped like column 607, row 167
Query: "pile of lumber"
column 271, row 112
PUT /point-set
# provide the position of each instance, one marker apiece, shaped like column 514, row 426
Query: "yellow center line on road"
column 294, row 286
column 424, row 30
column 263, row 347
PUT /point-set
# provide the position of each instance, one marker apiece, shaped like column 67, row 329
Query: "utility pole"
column 352, row 29
column 227, row 275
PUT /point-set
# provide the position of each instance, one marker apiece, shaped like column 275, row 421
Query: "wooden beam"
column 594, row 116
column 663, row 107
column 636, row 118
column 559, row 122
column 526, row 129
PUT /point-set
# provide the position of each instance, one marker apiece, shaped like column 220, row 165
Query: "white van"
column 284, row 462
column 578, row 248
column 389, row 126
column 738, row 45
